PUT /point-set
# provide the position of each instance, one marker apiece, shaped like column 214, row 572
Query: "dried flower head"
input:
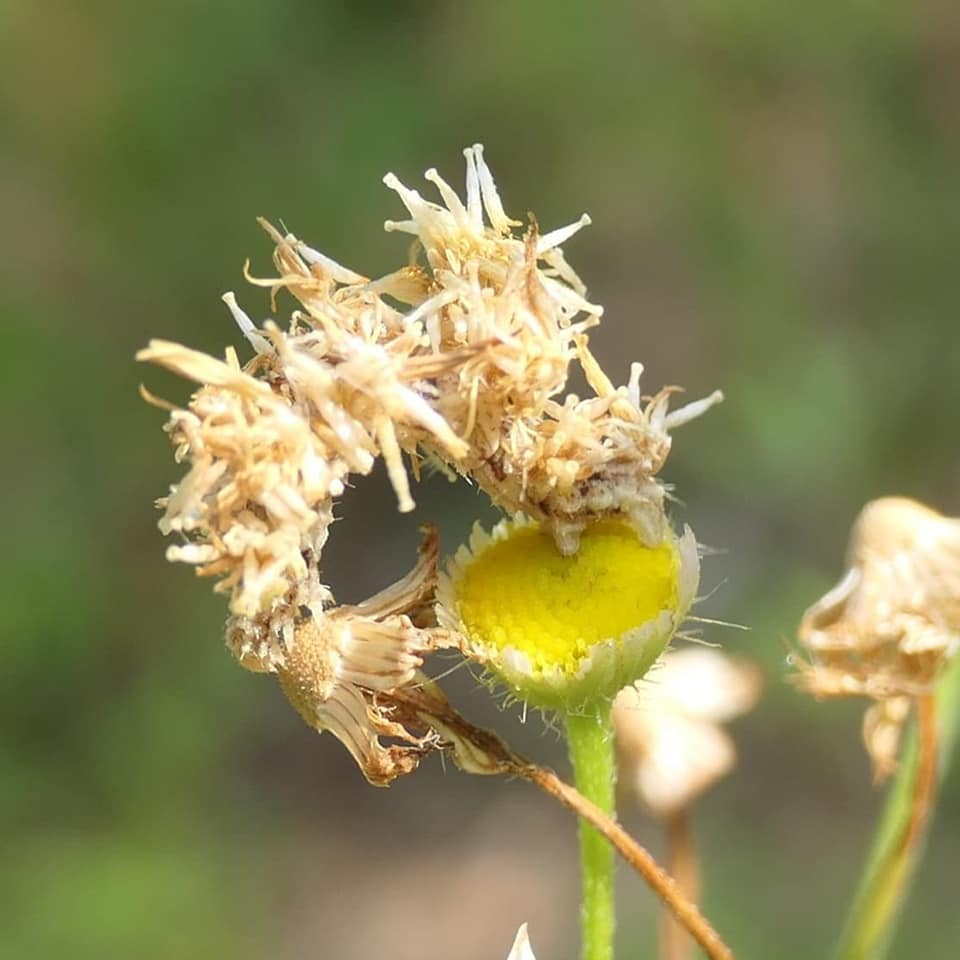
column 256, row 502
column 460, row 357
column 567, row 631
column 670, row 745
column 887, row 629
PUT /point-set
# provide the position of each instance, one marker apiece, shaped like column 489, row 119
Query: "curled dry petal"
column 340, row 669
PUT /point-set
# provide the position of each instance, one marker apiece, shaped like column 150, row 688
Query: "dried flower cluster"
column 887, row 629
column 459, row 357
column 670, row 744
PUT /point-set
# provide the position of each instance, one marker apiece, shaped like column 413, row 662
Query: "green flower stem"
column 590, row 739
column 898, row 843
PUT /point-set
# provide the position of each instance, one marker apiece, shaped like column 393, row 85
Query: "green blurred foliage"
column 776, row 211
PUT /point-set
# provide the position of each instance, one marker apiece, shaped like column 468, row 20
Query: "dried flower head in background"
column 890, row 625
column 460, row 357
column 670, row 744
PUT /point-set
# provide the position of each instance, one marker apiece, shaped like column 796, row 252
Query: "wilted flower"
column 670, row 744
column 887, row 629
column 567, row 631
column 466, row 370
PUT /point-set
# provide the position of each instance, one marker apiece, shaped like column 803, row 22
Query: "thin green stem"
column 898, row 843
column 590, row 740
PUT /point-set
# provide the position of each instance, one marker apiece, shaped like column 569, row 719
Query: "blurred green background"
column 774, row 190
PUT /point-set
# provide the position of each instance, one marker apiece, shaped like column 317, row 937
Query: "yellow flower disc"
column 567, row 629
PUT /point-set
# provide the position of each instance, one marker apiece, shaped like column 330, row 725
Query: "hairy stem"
column 590, row 740
column 662, row 884
column 479, row 751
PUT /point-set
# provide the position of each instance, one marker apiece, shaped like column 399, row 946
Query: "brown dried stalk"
column 662, row 884
column 684, row 866
column 479, row 751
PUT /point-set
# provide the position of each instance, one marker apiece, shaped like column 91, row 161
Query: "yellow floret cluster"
column 523, row 593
